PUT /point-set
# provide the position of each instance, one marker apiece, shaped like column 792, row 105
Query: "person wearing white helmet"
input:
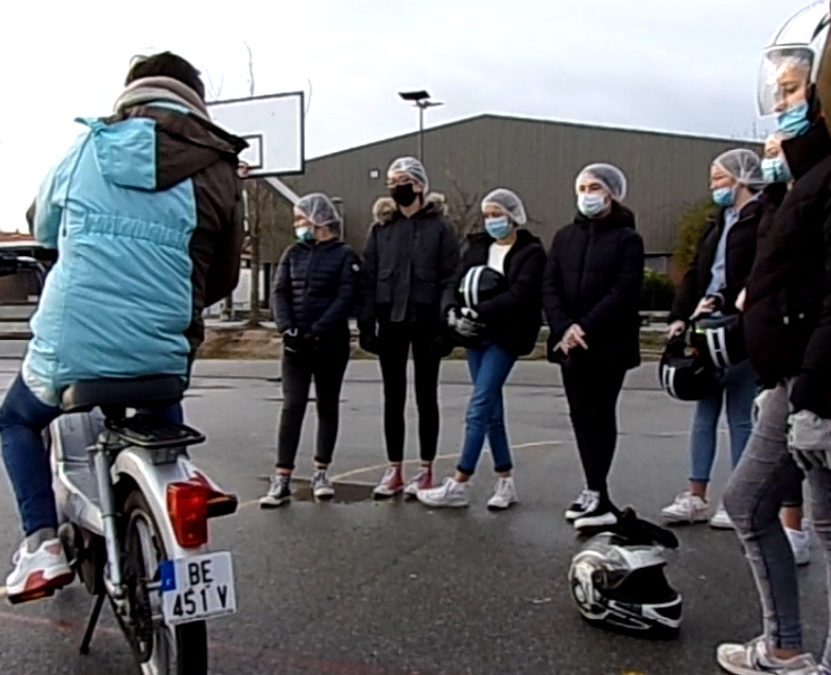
column 787, row 327
column 410, row 259
column 315, row 288
column 591, row 294
column 495, row 309
column 712, row 284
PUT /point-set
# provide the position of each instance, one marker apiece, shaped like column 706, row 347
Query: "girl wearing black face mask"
column 411, row 256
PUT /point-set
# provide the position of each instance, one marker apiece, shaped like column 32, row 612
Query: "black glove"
column 292, row 342
column 368, row 337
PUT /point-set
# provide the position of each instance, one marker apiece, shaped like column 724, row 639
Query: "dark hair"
column 166, row 64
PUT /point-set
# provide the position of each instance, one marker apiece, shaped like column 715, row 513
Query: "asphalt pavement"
column 364, row 588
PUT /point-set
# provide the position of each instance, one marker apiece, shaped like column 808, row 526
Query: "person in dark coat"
column 410, row 259
column 498, row 320
column 787, row 328
column 591, row 292
column 711, row 286
column 315, row 289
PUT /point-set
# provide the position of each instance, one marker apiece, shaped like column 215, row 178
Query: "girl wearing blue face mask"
column 718, row 274
column 315, row 287
column 495, row 310
column 591, row 294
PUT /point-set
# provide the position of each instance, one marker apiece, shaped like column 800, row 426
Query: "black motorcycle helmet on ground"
column 619, row 584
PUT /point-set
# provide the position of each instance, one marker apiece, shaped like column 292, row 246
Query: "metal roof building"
column 667, row 172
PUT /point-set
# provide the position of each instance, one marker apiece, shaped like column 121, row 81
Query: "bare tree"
column 253, row 215
column 463, row 207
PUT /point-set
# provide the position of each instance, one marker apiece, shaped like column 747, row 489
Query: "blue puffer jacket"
column 146, row 215
column 315, row 287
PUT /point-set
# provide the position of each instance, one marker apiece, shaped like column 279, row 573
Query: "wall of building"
column 668, row 173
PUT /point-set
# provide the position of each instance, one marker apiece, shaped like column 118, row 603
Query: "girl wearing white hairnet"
column 494, row 309
column 718, row 273
column 591, row 294
column 786, row 320
column 315, row 287
column 410, row 257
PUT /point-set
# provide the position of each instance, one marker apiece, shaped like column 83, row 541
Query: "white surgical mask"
column 592, row 204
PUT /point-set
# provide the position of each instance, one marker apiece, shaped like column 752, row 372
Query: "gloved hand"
column 464, row 324
column 809, row 440
column 292, row 341
column 368, row 337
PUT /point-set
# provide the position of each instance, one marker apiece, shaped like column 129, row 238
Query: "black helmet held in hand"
column 720, row 339
column 479, row 284
column 685, row 374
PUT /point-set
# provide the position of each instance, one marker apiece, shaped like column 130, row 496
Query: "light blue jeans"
column 489, row 367
column 739, row 390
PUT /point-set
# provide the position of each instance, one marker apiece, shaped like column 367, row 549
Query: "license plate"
column 198, row 588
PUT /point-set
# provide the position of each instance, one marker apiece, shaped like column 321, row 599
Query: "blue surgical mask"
column 304, row 233
column 592, row 204
column 794, row 121
column 498, row 228
column 724, row 196
column 775, row 170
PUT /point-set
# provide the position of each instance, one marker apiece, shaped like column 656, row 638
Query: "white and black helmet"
column 622, row 587
column 685, row 373
column 720, row 339
column 480, row 283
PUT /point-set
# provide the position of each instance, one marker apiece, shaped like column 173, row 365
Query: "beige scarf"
column 150, row 89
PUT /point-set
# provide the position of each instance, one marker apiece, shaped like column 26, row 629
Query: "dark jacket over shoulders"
column 787, row 320
column 408, row 265
column 512, row 318
column 740, row 252
column 315, row 288
column 593, row 278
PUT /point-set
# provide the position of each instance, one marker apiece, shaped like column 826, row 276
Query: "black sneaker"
column 587, row 500
column 278, row 494
column 600, row 515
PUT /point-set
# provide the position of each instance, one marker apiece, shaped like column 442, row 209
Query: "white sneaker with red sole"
column 39, row 573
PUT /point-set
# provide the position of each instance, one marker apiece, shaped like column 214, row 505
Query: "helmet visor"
column 784, row 77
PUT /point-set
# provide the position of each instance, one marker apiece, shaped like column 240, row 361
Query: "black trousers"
column 326, row 365
column 395, row 342
column 592, row 389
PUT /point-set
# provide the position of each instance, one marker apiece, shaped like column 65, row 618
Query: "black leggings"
column 395, row 341
column 592, row 389
column 327, row 365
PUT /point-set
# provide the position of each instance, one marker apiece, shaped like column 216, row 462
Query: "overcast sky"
column 679, row 65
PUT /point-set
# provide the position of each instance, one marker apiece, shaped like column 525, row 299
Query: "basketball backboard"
column 273, row 127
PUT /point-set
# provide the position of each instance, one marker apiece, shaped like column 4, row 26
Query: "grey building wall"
column 668, row 173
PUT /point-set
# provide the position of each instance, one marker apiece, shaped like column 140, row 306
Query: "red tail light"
column 187, row 505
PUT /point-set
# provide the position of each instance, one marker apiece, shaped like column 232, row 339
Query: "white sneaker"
column 721, row 521
column 753, row 658
column 38, row 573
column 587, row 500
column 597, row 516
column 504, row 496
column 450, row 494
column 687, row 508
column 800, row 542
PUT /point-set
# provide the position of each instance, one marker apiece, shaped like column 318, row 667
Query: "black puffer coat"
column 593, row 278
column 787, row 319
column 315, row 288
column 512, row 318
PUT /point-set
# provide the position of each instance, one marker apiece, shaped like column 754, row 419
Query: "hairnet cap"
column 319, row 210
column 743, row 165
column 412, row 168
column 612, row 178
column 509, row 201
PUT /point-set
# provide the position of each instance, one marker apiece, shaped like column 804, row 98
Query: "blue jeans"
column 489, row 367
column 739, row 388
column 23, row 418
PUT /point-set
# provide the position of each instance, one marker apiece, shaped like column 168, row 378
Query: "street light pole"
column 421, row 100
